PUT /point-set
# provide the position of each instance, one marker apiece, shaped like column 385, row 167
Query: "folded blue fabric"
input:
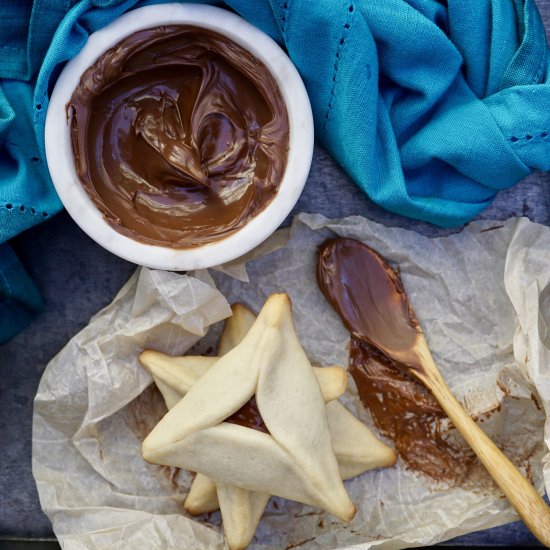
column 19, row 299
column 430, row 108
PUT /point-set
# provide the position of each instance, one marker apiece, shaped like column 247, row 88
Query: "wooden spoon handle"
column 522, row 495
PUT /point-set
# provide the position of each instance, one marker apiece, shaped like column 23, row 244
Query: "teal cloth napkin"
column 431, row 107
column 19, row 298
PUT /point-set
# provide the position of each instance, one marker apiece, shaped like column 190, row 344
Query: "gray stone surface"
column 77, row 278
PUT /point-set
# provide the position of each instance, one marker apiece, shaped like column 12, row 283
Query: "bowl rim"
column 80, row 206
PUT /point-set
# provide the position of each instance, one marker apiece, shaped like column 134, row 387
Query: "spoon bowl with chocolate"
column 180, row 137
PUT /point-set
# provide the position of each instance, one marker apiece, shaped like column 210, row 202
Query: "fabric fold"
column 20, row 301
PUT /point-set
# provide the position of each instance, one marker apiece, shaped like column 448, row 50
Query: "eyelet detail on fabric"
column 341, row 43
column 283, row 19
column 529, row 137
column 22, row 209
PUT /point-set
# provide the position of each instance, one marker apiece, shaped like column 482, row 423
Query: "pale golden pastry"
column 356, row 448
column 296, row 459
column 202, row 497
column 241, row 513
column 174, row 376
column 236, row 328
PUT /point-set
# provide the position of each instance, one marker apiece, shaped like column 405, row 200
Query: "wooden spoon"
column 371, row 300
column 522, row 495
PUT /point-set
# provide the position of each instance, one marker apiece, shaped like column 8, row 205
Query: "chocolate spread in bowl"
column 370, row 298
column 180, row 136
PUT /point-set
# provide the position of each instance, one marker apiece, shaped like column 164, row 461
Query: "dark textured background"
column 77, row 278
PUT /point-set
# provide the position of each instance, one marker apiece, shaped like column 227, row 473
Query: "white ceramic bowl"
column 80, row 206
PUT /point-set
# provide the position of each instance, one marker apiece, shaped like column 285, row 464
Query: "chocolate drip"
column 371, row 301
column 180, row 136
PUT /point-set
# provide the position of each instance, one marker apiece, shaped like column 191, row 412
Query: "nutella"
column 249, row 416
column 180, row 136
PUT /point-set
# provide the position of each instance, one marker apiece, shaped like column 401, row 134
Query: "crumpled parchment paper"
column 482, row 297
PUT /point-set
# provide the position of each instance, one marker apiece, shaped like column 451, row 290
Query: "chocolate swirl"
column 180, row 136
